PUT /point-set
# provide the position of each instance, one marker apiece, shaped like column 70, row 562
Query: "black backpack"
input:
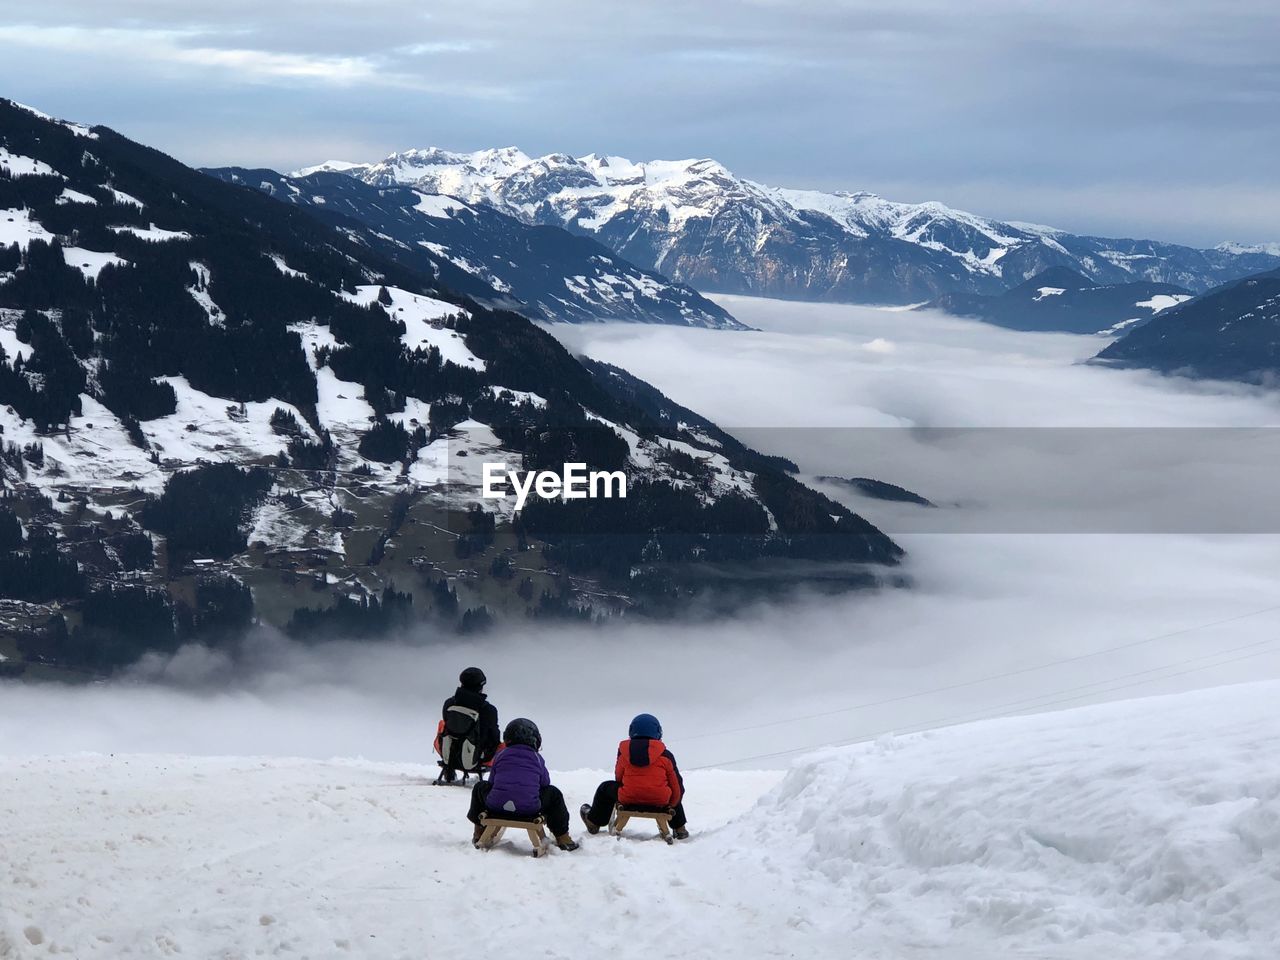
column 459, row 746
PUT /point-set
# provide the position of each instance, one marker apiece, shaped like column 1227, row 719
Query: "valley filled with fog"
column 1064, row 564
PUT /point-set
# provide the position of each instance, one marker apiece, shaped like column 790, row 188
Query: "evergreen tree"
column 224, row 608
column 444, row 599
column 306, row 455
column 476, row 620
column 385, row 442
column 135, row 550
column 40, row 574
column 365, row 618
column 10, row 530
column 202, row 511
column 120, row 624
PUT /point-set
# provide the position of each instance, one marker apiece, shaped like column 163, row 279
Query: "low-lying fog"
column 997, row 621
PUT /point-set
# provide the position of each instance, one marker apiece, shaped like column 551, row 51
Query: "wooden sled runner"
column 621, row 815
column 494, row 827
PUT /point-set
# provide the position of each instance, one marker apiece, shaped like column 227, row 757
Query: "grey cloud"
column 1093, row 100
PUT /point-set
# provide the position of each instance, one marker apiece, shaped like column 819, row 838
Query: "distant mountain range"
column 1059, row 299
column 1229, row 333
column 500, row 226
column 700, row 224
column 544, row 272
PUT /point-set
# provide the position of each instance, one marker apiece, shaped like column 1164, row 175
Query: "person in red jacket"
column 645, row 776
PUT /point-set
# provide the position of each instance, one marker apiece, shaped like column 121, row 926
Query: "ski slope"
column 1142, row 829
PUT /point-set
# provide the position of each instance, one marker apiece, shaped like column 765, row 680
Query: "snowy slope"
column 94, row 457
column 1133, row 830
column 701, row 224
column 542, row 271
column 1147, row 828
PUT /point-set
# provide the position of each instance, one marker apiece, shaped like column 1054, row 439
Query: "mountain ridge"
column 700, row 224
column 542, row 271
column 1060, row 300
column 1229, row 333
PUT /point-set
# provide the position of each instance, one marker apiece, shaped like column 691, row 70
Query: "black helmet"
column 522, row 731
column 472, row 678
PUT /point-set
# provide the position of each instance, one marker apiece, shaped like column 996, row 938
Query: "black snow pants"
column 552, row 800
column 607, row 795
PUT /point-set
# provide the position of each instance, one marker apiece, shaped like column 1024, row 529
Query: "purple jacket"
column 517, row 779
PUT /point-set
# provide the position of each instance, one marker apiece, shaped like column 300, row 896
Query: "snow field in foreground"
column 1139, row 829
column 152, row 856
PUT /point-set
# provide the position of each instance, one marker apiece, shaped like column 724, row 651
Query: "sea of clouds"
column 1007, row 611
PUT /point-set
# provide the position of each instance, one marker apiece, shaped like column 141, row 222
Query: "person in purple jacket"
column 519, row 785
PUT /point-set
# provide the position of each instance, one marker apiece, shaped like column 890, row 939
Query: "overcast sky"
column 1138, row 117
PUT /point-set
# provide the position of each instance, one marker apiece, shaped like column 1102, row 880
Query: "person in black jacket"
column 486, row 734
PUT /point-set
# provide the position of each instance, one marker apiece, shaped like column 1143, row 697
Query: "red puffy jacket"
column 647, row 774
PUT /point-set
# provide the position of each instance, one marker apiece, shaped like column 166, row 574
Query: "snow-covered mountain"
column 697, row 222
column 215, row 406
column 1230, row 333
column 544, row 272
column 1129, row 831
column 1272, row 249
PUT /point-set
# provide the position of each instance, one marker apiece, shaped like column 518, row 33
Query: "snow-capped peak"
column 698, row 222
column 330, row 166
column 1271, row 249
column 1037, row 228
column 592, row 192
column 404, row 167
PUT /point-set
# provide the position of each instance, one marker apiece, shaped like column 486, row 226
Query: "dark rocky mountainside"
column 1059, row 299
column 217, row 409
column 1231, row 333
column 878, row 490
